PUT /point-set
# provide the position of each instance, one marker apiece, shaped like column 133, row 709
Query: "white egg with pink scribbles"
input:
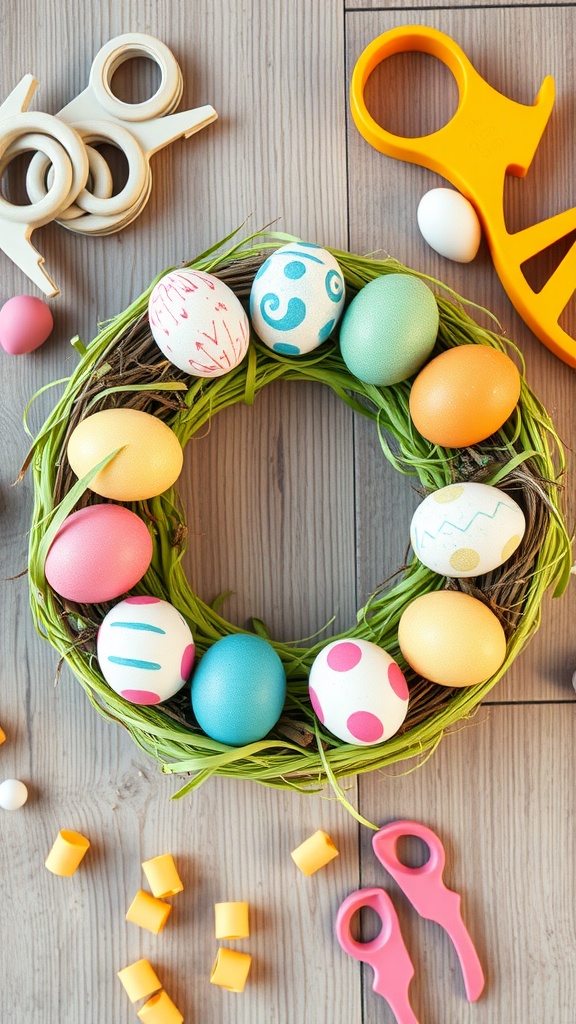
column 198, row 323
column 358, row 692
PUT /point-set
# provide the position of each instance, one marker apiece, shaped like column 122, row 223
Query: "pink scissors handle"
column 386, row 954
column 425, row 888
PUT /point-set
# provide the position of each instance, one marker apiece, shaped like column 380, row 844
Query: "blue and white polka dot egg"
column 297, row 298
column 145, row 650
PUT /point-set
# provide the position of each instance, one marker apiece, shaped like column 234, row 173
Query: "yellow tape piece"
column 314, row 853
column 162, row 876
column 231, row 920
column 148, row 912
column 2, row 735
column 160, row 1010
column 231, row 969
column 68, row 850
column 140, row 980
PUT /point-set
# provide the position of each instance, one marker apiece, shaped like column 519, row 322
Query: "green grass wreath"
column 124, row 367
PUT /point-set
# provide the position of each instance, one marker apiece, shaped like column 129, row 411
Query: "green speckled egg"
column 389, row 329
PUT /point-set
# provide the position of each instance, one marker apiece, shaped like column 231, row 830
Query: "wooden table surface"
column 289, row 505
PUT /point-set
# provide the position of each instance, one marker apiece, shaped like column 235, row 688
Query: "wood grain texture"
column 499, row 789
column 369, row 6
column 506, row 824
column 276, row 77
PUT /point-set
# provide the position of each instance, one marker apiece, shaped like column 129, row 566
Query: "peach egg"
column 148, row 460
column 451, row 638
column 464, row 395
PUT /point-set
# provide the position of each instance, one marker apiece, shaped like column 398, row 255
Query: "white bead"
column 13, row 794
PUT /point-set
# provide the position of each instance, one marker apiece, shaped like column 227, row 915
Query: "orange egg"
column 451, row 638
column 464, row 395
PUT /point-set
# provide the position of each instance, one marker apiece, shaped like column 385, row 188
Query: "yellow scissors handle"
column 488, row 137
column 489, row 134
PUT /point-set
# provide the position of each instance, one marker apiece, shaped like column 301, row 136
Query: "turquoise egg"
column 238, row 689
column 389, row 329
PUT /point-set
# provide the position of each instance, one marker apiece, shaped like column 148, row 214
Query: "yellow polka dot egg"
column 466, row 529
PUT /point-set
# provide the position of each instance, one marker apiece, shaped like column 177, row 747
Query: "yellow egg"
column 451, row 638
column 148, row 464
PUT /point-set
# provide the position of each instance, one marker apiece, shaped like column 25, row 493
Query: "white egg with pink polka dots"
column 358, row 692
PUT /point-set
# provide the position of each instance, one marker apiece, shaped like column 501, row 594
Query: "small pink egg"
column 99, row 553
column 25, row 324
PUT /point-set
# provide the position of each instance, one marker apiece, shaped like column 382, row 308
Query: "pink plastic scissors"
column 425, row 888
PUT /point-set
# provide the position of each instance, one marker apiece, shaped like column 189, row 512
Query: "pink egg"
column 358, row 691
column 25, row 324
column 99, row 553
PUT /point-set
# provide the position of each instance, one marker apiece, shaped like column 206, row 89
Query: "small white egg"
column 13, row 794
column 450, row 225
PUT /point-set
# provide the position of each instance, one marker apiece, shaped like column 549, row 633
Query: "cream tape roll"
column 139, row 980
column 231, row 969
column 68, row 850
column 160, row 1010
column 162, row 876
column 231, row 920
column 148, row 912
column 314, row 853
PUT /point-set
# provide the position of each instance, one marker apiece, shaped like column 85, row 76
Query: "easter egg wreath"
column 124, row 368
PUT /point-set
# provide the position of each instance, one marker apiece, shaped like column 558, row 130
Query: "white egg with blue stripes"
column 297, row 298
column 145, row 650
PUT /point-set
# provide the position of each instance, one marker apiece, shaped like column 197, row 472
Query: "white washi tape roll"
column 40, row 176
column 121, row 49
column 62, row 193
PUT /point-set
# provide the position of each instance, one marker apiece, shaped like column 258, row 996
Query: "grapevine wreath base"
column 124, row 367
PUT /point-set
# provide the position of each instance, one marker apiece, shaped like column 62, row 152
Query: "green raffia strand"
column 274, row 761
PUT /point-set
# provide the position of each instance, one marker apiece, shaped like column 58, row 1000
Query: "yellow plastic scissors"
column 488, row 137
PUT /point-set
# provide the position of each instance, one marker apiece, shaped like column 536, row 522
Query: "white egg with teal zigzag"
column 145, row 649
column 466, row 529
column 297, row 298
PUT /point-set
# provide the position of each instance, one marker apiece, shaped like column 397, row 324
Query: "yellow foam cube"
column 314, row 853
column 68, row 850
column 231, row 969
column 231, row 920
column 162, row 876
column 148, row 912
column 140, row 980
column 160, row 1010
